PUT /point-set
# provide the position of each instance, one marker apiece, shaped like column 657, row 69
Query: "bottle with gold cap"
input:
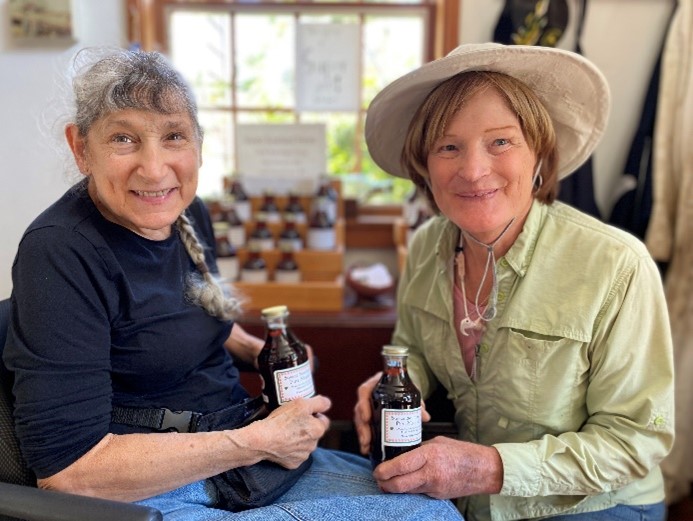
column 283, row 363
column 396, row 403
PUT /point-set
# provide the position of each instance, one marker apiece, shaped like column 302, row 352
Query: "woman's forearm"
column 132, row 467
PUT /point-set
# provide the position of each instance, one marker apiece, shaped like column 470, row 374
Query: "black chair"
column 19, row 497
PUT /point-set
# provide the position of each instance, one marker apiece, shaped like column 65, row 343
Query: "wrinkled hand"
column 291, row 432
column 363, row 412
column 443, row 468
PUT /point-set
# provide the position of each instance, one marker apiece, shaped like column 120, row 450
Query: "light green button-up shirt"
column 574, row 382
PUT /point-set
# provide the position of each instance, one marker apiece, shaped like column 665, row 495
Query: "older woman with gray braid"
column 123, row 345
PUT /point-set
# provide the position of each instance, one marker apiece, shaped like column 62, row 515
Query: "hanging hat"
column 574, row 92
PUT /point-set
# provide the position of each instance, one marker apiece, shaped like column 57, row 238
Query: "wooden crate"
column 304, row 296
column 314, row 265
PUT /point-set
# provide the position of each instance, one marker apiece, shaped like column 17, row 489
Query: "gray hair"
column 203, row 289
column 123, row 79
column 139, row 80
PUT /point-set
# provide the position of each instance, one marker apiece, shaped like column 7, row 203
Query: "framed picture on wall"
column 40, row 22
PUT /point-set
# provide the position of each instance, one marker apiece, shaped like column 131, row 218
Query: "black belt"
column 161, row 419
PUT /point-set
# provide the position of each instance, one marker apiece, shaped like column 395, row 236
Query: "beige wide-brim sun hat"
column 575, row 93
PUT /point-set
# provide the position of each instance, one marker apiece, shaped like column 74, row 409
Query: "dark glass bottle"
column 283, row 364
column 236, row 226
column 290, row 236
column 254, row 268
column 330, row 198
column 294, row 209
column 269, row 208
column 287, row 270
column 396, row 402
column 321, row 231
column 261, row 236
column 421, row 217
column 241, row 201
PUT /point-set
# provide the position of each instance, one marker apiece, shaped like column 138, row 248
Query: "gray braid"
column 203, row 289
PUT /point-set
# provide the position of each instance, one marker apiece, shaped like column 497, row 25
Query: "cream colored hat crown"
column 572, row 89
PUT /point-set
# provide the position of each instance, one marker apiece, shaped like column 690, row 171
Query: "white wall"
column 623, row 38
column 31, row 172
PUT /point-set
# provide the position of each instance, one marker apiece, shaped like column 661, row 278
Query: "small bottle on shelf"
column 327, row 193
column 290, row 236
column 261, row 236
column 241, row 200
column 322, row 234
column 294, row 209
column 283, row 364
column 236, row 226
column 227, row 258
column 287, row 270
column 254, row 269
column 421, row 217
column 269, row 208
column 396, row 403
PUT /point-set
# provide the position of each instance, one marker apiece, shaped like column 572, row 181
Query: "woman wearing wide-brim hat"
column 547, row 327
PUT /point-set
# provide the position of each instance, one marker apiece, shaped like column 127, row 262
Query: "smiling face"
column 481, row 169
column 142, row 167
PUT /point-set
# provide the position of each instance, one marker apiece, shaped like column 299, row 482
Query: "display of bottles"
column 261, row 236
column 290, row 236
column 227, row 259
column 329, row 197
column 421, row 217
column 283, row 364
column 322, row 234
column 269, row 209
column 287, row 270
column 236, row 226
column 396, row 403
column 294, row 210
column 241, row 199
column 254, row 269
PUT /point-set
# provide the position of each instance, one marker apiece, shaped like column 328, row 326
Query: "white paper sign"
column 281, row 157
column 327, row 57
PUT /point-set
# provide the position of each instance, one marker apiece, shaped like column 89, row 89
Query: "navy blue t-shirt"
column 100, row 319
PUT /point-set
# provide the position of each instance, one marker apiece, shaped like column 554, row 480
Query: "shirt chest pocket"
column 539, row 380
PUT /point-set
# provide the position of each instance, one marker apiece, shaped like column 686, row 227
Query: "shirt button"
column 504, row 263
column 501, row 296
column 658, row 421
column 484, row 348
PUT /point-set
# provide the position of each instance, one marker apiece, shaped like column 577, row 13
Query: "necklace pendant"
column 466, row 324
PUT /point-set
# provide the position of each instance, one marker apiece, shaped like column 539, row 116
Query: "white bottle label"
column 401, row 427
column 228, row 268
column 236, row 235
column 322, row 239
column 287, row 277
column 294, row 382
column 254, row 276
column 261, row 244
column 243, row 210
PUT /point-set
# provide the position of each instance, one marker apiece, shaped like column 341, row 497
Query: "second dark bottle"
column 396, row 405
column 283, row 362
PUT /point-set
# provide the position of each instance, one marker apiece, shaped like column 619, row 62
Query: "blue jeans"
column 654, row 512
column 337, row 486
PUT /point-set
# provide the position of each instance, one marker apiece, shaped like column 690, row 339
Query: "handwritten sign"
column 327, row 57
column 281, row 157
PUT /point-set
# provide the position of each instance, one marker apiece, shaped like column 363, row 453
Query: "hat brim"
column 573, row 90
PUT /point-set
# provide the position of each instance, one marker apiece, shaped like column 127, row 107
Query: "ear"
column 78, row 146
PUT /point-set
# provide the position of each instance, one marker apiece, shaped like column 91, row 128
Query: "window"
column 240, row 59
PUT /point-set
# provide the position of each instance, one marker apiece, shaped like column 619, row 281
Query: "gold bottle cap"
column 274, row 311
column 395, row 350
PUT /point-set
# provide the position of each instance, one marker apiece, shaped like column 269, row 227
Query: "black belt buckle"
column 177, row 420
